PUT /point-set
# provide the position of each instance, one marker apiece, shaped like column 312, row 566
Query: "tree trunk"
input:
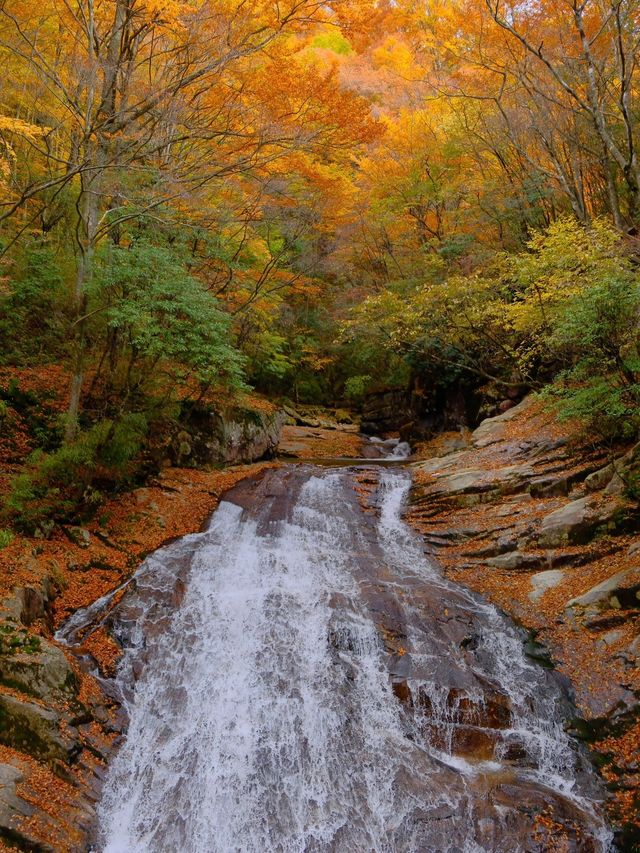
column 87, row 226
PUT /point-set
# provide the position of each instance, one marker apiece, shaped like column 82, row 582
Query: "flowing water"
column 300, row 678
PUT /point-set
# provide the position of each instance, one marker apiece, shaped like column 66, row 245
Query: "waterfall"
column 321, row 687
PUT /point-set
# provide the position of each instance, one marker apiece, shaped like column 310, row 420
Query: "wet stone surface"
column 300, row 677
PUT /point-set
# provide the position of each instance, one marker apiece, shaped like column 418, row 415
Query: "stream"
column 300, row 677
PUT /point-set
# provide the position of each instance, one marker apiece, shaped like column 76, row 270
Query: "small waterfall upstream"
column 312, row 683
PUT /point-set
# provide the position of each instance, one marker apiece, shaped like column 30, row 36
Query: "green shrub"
column 355, row 388
column 596, row 332
column 34, row 313
column 60, row 485
column 161, row 321
column 607, row 411
column 6, row 538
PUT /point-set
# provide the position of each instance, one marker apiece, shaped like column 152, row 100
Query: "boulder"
column 231, row 438
column 27, row 604
column 79, row 536
column 36, row 730
column 616, row 486
column 599, row 479
column 11, row 805
column 621, row 588
column 516, row 561
column 492, row 430
column 571, row 524
column 16, row 830
column 624, row 471
column 38, row 669
column 575, row 523
column 543, row 581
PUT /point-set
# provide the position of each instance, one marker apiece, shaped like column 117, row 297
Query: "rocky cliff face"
column 386, row 411
column 231, row 437
column 422, row 411
column 538, row 521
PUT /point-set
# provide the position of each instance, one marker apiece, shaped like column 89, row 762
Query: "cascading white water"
column 265, row 719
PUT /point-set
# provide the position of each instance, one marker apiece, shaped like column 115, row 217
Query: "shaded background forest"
column 309, row 200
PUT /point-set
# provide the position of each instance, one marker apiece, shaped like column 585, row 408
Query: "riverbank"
column 536, row 520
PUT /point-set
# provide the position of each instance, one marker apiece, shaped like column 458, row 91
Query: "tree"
column 136, row 98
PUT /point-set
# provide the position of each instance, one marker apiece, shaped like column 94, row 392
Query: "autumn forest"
column 314, row 199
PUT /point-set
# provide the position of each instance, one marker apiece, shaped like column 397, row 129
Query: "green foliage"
column 33, row 314
column 160, row 321
column 355, row 388
column 56, row 486
column 595, row 331
column 569, row 269
column 565, row 311
column 118, row 443
column 6, row 538
column 268, row 358
column 607, row 410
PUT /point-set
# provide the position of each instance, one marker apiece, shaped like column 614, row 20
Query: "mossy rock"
column 31, row 728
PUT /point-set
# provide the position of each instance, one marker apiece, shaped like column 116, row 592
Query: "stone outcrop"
column 623, row 589
column 47, row 727
column 516, row 561
column 548, row 529
column 37, row 730
column 492, row 430
column 571, row 524
column 544, row 581
column 235, row 437
column 36, row 668
column 576, row 522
